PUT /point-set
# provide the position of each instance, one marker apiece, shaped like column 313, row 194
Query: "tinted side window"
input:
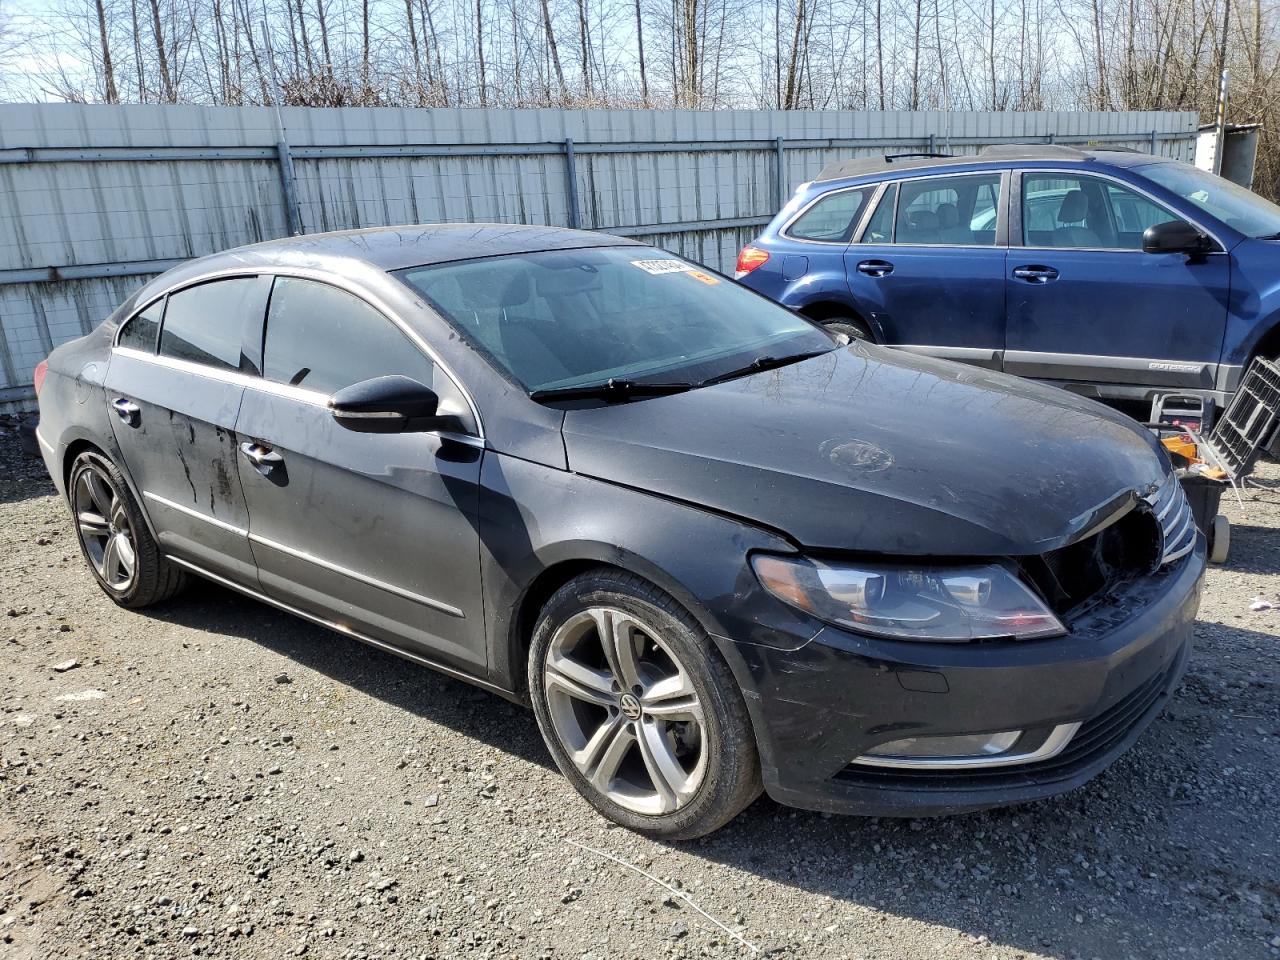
column 948, row 210
column 205, row 324
column 832, row 219
column 324, row 339
column 880, row 228
column 140, row 330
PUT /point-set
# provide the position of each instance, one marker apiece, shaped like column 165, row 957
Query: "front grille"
column 1173, row 511
column 1095, row 738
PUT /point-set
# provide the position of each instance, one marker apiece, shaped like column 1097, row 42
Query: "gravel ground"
column 215, row 778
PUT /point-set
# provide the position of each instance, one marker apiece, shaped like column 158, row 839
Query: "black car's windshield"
column 574, row 318
column 1229, row 202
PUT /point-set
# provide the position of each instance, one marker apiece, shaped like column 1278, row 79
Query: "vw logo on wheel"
column 630, row 706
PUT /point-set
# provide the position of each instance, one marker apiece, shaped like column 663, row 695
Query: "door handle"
column 875, row 268
column 127, row 411
column 1035, row 273
column 260, row 455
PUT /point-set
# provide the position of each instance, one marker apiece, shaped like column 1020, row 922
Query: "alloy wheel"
column 104, row 528
column 625, row 710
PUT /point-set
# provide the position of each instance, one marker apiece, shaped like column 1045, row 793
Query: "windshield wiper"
column 1268, row 236
column 611, row 389
column 759, row 364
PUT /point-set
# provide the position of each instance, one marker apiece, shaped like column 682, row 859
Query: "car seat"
column 1071, row 229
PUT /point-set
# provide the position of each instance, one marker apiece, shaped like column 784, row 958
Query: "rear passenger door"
column 929, row 264
column 175, row 381
column 1086, row 304
column 374, row 532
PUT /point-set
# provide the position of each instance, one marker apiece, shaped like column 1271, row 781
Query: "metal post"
column 933, row 143
column 780, row 174
column 571, row 171
column 1153, row 143
column 1220, row 124
column 292, row 216
column 1051, row 139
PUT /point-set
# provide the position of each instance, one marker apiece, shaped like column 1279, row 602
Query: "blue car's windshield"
column 1229, row 202
column 567, row 318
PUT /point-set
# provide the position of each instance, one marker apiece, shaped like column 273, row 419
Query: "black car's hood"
column 877, row 450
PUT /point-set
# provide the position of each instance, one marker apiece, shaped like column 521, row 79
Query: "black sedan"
column 715, row 548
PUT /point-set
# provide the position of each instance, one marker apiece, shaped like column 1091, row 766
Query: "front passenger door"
column 374, row 532
column 1086, row 304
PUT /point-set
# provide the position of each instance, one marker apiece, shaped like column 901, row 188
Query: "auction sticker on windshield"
column 659, row 267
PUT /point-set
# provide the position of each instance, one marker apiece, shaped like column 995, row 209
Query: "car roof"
column 1000, row 153
column 412, row 245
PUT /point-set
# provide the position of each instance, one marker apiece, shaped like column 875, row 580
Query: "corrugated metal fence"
column 95, row 199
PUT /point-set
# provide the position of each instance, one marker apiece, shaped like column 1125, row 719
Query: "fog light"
column 969, row 746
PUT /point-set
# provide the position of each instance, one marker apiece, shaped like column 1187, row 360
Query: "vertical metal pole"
column 292, row 216
column 1051, row 139
column 1153, row 143
column 1220, row 124
column 571, row 171
column 287, row 182
column 933, row 143
column 780, row 174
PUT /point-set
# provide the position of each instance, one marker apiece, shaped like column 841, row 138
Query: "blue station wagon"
column 1113, row 273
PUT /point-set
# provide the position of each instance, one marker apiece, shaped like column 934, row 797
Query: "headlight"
column 943, row 604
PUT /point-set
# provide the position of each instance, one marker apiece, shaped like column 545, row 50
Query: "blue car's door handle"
column 875, row 268
column 1035, row 273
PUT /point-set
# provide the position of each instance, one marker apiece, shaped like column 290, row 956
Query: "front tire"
column 113, row 536
column 639, row 710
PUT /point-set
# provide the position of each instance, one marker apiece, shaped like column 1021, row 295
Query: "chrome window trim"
column 1053, row 745
column 1001, row 204
column 198, row 515
column 320, row 276
column 875, row 189
column 362, row 578
column 251, row 381
column 1102, row 175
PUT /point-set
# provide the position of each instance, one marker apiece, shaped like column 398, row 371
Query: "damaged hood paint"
column 876, row 450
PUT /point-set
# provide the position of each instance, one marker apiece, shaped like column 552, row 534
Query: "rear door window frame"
column 1002, row 210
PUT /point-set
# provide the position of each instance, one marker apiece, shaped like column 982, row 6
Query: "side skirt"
column 517, row 698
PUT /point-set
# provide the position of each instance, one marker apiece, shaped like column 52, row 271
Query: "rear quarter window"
column 140, row 330
column 205, row 324
column 832, row 219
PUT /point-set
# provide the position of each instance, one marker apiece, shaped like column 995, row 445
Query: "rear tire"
column 113, row 536
column 639, row 710
column 850, row 327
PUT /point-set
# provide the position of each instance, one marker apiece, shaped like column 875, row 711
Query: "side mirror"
column 393, row 404
column 1175, row 236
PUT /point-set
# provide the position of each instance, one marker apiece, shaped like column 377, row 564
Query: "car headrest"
column 1075, row 207
column 564, row 281
column 948, row 215
column 517, row 290
column 922, row 219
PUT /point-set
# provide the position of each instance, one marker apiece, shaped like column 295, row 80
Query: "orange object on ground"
column 1183, row 446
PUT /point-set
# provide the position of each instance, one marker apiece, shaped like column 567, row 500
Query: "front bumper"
column 817, row 708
